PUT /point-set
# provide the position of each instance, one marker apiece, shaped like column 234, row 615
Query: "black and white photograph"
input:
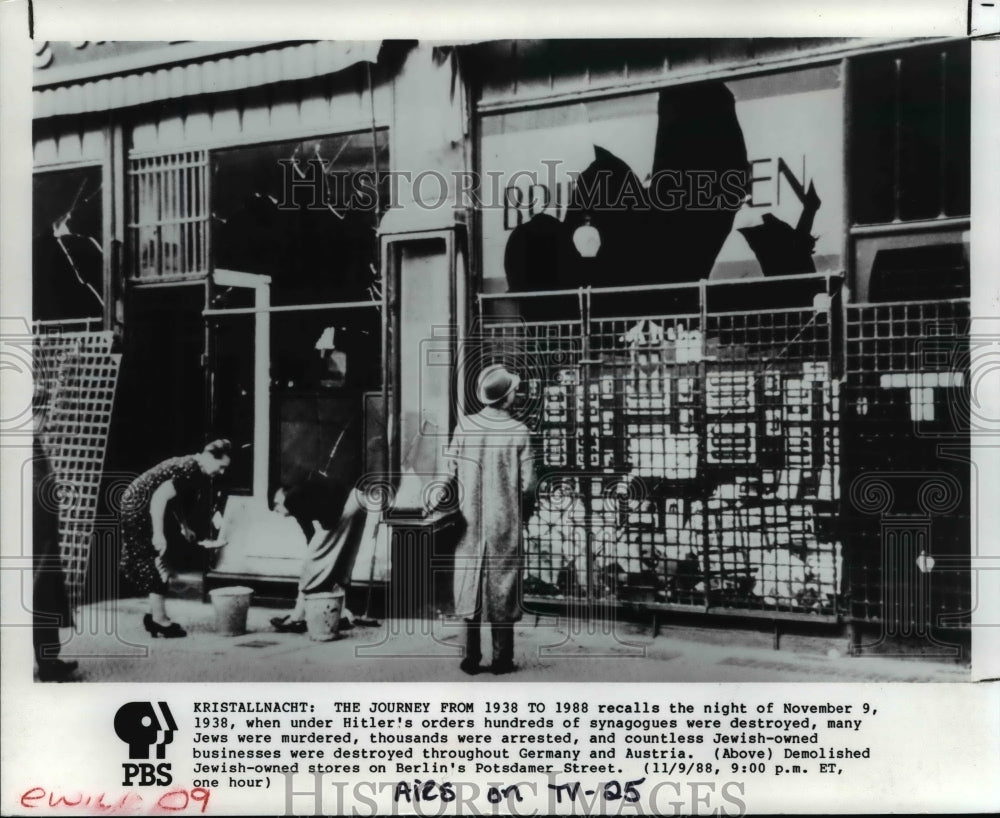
column 643, row 381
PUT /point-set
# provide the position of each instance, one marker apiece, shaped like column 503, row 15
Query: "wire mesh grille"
column 81, row 375
column 688, row 459
column 906, row 397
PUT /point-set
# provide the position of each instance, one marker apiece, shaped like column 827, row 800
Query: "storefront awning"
column 262, row 66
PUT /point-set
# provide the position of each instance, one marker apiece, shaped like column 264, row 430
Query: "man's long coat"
column 492, row 460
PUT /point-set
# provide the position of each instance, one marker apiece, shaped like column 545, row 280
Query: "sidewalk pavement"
column 112, row 646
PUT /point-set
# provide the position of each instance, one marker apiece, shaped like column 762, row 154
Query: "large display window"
column 719, row 179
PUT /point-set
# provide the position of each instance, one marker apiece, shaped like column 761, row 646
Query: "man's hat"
column 495, row 384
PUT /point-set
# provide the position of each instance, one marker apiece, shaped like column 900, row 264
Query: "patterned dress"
column 139, row 557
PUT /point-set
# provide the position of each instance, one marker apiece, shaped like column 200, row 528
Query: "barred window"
column 168, row 231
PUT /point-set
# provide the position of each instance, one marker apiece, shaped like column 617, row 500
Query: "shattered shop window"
column 66, row 249
column 303, row 212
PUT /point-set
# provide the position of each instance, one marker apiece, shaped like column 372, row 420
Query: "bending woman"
column 144, row 509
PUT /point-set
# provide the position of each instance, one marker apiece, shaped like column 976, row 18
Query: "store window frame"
column 268, row 315
column 300, row 197
column 866, row 238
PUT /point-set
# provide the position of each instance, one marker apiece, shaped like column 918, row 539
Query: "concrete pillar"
column 423, row 246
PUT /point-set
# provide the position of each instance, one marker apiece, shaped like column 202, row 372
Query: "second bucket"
column 323, row 615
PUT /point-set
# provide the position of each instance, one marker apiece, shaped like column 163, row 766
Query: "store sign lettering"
column 522, row 203
column 44, row 54
column 61, row 54
column 766, row 180
column 670, row 190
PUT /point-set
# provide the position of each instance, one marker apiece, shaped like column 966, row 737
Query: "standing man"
column 50, row 608
column 492, row 461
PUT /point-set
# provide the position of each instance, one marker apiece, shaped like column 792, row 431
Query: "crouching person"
column 332, row 520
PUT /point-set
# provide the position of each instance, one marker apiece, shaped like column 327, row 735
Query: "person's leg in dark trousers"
column 473, row 647
column 47, row 616
column 472, row 663
column 503, row 648
column 45, row 635
column 50, row 607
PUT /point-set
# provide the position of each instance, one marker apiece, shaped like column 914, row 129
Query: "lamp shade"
column 327, row 340
column 587, row 239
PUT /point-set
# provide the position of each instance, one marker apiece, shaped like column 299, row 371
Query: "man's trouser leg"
column 473, row 647
column 503, row 647
column 46, row 640
column 45, row 635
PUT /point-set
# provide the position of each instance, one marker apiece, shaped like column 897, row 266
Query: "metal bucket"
column 231, row 605
column 323, row 615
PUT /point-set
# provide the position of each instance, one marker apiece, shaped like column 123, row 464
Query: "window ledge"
column 918, row 226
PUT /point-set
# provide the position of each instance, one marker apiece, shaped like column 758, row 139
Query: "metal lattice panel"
column 56, row 355
column 77, row 422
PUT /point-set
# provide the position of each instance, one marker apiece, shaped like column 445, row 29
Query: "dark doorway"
column 161, row 393
column 159, row 406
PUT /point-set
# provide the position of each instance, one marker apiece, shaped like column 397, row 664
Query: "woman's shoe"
column 171, row 631
column 282, row 624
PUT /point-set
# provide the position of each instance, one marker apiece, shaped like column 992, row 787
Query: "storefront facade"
column 719, row 266
column 732, row 379
column 215, row 212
